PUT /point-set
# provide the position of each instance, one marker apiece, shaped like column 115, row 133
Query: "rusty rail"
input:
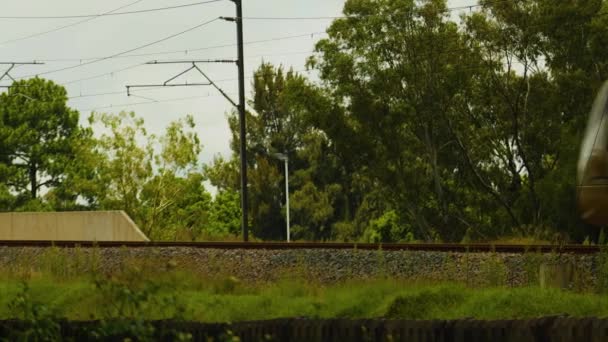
column 442, row 247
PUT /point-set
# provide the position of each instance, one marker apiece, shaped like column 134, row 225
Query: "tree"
column 383, row 66
column 461, row 128
column 225, row 214
column 287, row 112
column 425, row 127
column 277, row 125
column 534, row 102
column 159, row 188
column 127, row 165
column 38, row 133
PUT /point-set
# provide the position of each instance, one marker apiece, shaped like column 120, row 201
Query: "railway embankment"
column 576, row 271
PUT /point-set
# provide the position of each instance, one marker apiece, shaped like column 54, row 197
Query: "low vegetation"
column 127, row 300
column 177, row 295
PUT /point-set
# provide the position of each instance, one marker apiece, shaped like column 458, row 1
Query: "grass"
column 72, row 286
column 230, row 300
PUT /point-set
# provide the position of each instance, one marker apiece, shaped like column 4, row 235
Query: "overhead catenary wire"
column 151, row 101
column 14, row 40
column 111, row 13
column 446, row 10
column 311, row 34
column 110, row 73
column 187, row 51
column 418, row 58
column 251, row 42
column 133, row 66
column 108, row 93
column 124, row 52
column 302, row 70
column 153, row 88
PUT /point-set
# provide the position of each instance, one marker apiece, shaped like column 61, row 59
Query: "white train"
column 592, row 173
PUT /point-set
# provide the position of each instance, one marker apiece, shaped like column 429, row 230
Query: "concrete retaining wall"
column 70, row 226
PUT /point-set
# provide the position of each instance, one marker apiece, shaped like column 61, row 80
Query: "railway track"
column 443, row 247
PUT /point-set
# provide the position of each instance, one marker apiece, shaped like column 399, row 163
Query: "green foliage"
column 467, row 142
column 124, row 313
column 41, row 323
column 38, row 135
column 422, row 304
column 141, row 290
column 145, row 300
column 312, row 210
column 159, row 188
column 387, row 228
column 225, row 214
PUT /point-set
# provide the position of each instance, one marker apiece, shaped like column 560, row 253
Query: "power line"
column 447, row 10
column 470, row 67
column 153, row 88
column 312, row 34
column 179, row 51
column 112, row 13
column 217, row 46
column 66, row 26
column 111, row 73
column 417, row 59
column 121, row 92
column 96, row 94
column 147, row 102
column 186, row 51
column 126, row 51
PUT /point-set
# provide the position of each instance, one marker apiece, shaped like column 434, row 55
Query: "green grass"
column 228, row 299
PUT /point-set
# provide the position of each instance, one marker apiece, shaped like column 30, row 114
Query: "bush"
column 388, row 228
column 424, row 305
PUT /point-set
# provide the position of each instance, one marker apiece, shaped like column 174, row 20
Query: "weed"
column 450, row 270
column 382, row 266
column 493, row 271
column 422, row 305
column 531, row 265
column 39, row 322
column 602, row 270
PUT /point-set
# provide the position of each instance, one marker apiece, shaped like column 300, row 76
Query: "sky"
column 101, row 85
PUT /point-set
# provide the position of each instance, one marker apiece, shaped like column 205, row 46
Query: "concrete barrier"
column 70, row 226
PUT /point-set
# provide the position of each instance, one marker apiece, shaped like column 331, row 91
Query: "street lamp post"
column 285, row 158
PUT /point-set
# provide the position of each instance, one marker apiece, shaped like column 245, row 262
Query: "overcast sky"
column 107, row 36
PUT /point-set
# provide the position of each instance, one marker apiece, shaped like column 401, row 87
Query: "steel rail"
column 443, row 247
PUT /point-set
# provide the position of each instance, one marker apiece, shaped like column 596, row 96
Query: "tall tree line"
column 427, row 127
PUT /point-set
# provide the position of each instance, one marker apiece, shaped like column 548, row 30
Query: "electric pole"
column 242, row 123
column 240, row 62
